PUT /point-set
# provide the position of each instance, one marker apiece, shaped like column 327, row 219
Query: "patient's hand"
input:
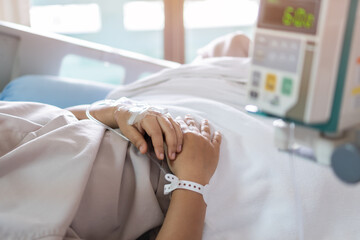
column 197, row 162
column 157, row 126
column 200, row 155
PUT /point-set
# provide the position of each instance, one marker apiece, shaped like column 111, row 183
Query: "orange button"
column 358, row 60
column 270, row 82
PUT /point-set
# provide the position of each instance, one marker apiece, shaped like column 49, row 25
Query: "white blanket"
column 252, row 194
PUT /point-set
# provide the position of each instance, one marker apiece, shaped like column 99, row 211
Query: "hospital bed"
column 24, row 51
column 257, row 192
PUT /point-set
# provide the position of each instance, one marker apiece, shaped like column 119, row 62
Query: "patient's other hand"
column 200, row 155
column 157, row 126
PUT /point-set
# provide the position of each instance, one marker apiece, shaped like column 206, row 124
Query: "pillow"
column 58, row 91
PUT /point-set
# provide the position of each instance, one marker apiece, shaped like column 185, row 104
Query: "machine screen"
column 290, row 15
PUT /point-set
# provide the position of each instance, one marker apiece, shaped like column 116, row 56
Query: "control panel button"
column 274, row 44
column 283, row 57
column 279, row 53
column 254, row 95
column 259, row 55
column 292, row 58
column 287, row 86
column 272, row 56
column 270, row 82
column 275, row 101
column 294, row 46
column 256, row 78
column 284, row 44
column 261, row 40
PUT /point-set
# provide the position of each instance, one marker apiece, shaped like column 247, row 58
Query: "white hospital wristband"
column 176, row 183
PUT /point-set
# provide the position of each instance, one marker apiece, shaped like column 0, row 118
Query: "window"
column 141, row 25
column 111, row 22
column 66, row 19
column 144, row 16
column 108, row 22
column 220, row 13
column 206, row 20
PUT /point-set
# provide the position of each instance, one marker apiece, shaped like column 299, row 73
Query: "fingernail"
column 161, row 155
column 179, row 148
column 142, row 148
column 173, row 155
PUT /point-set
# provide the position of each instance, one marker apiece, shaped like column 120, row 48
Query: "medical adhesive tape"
column 136, row 109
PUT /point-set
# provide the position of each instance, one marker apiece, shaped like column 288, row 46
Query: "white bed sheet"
column 251, row 194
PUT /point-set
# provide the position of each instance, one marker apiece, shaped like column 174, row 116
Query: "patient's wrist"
column 196, row 179
column 192, row 196
column 105, row 114
column 193, row 176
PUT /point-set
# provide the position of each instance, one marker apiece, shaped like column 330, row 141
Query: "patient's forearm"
column 185, row 217
column 78, row 111
column 104, row 114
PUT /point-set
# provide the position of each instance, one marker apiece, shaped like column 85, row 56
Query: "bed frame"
column 25, row 51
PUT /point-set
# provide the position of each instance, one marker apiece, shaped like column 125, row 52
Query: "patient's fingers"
column 135, row 137
column 133, row 134
column 170, row 135
column 189, row 120
column 205, row 129
column 183, row 125
column 152, row 128
column 179, row 134
column 216, row 140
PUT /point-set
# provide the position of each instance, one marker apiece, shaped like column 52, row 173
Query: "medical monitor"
column 295, row 16
column 304, row 61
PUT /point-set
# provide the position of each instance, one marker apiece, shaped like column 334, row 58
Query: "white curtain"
column 16, row 11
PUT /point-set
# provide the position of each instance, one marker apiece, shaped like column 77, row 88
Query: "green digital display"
column 298, row 17
column 290, row 15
